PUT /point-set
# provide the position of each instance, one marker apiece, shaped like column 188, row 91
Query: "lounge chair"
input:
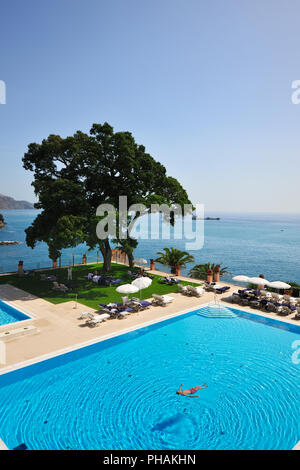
column 222, row 290
column 263, row 293
column 235, row 298
column 183, row 289
column 283, row 310
column 161, row 300
column 59, row 287
column 145, row 304
column 97, row 319
column 263, row 303
column 275, row 297
column 115, row 281
column 124, row 313
column 86, row 316
column 254, row 303
column 48, row 277
column 287, row 298
column 169, row 280
column 135, row 305
column 196, row 291
column 297, row 313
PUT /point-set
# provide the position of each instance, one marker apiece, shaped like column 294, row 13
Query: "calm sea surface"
column 250, row 244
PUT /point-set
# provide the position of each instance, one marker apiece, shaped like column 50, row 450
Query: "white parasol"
column 142, row 282
column 127, row 289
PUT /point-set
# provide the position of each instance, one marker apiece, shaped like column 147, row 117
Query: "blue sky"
column 205, row 86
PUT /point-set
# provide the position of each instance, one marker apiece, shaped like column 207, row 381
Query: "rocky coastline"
column 2, row 223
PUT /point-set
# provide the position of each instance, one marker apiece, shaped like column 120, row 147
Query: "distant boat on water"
column 205, row 218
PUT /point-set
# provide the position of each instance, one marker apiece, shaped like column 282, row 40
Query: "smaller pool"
column 9, row 314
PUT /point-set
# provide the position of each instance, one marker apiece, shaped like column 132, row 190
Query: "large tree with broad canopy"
column 74, row 175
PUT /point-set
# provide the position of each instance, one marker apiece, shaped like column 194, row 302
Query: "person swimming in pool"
column 191, row 391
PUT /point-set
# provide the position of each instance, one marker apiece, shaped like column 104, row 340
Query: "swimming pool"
column 120, row 393
column 9, row 314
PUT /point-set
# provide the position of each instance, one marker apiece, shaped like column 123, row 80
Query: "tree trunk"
column 173, row 269
column 130, row 260
column 106, row 253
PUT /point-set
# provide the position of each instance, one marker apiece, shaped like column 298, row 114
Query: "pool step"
column 16, row 332
column 217, row 312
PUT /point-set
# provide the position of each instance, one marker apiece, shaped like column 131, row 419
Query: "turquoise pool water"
column 9, row 314
column 120, row 393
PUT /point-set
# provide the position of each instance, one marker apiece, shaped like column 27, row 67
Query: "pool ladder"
column 216, row 302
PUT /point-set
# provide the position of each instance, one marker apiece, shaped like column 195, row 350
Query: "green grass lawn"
column 88, row 293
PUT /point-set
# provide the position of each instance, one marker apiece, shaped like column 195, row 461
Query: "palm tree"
column 173, row 257
column 199, row 271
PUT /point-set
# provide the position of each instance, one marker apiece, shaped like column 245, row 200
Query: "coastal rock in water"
column 9, row 242
column 2, row 223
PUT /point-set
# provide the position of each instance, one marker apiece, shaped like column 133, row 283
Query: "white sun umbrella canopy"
column 279, row 285
column 259, row 281
column 140, row 261
column 142, row 282
column 127, row 289
column 241, row 278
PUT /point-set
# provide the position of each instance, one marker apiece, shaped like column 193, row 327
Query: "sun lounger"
column 283, row 310
column 297, row 313
column 161, row 300
column 222, row 290
column 235, row 298
column 135, row 305
column 254, row 303
column 145, row 303
column 196, row 291
column 125, row 312
column 86, row 316
column 263, row 293
column 169, row 280
column 97, row 319
column 59, row 287
column 183, row 289
column 263, row 303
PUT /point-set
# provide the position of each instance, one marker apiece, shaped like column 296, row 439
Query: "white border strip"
column 2, row 445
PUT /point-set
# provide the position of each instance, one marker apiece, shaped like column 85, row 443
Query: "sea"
column 249, row 244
